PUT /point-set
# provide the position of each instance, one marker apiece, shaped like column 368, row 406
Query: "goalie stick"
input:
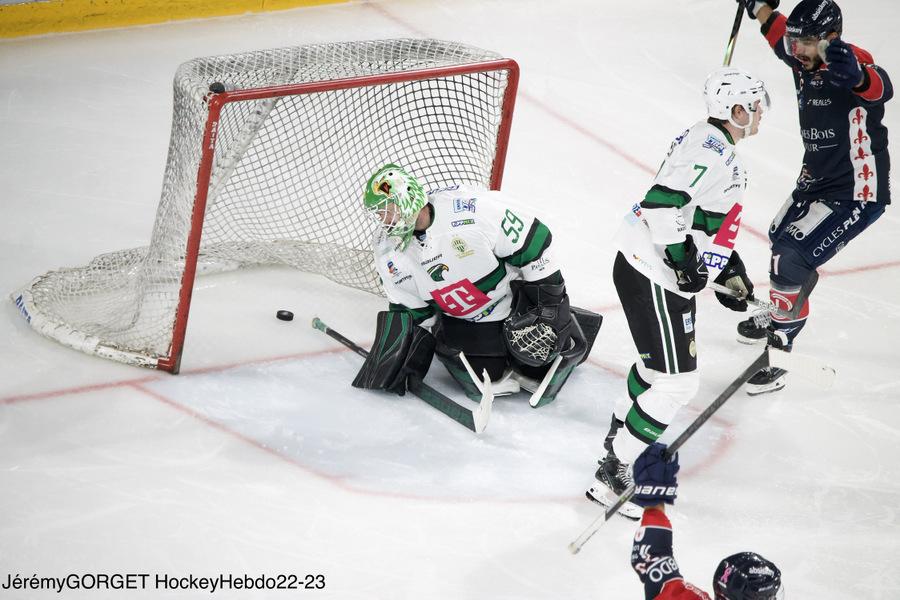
column 770, row 357
column 475, row 420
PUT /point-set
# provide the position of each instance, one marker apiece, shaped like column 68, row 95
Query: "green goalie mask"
column 395, row 198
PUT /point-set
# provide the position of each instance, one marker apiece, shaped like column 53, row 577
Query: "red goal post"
column 270, row 171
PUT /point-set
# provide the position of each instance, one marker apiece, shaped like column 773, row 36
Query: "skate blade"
column 751, row 341
column 606, row 499
column 756, row 390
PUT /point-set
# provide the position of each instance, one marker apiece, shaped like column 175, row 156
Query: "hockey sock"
column 787, row 329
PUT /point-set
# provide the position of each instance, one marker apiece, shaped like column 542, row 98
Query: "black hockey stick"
column 732, row 40
column 761, row 361
column 475, row 420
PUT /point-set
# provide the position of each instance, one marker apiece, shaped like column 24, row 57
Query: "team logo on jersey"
column 464, row 205
column 437, row 271
column 715, row 144
column 462, row 222
column 394, row 271
column 460, row 298
column 461, row 247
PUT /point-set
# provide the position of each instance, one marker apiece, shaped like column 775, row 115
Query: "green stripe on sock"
column 636, row 387
column 644, row 430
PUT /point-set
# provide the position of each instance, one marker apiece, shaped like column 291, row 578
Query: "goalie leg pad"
column 590, row 323
column 401, row 350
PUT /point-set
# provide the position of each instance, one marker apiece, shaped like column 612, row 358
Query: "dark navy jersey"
column 652, row 560
column 846, row 144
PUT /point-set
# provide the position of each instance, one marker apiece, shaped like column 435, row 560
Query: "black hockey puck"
column 217, row 87
column 285, row 315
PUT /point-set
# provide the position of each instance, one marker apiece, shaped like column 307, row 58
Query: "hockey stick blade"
column 807, row 367
column 459, row 413
column 539, row 393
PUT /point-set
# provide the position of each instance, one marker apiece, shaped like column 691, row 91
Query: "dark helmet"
column 747, row 576
column 814, row 18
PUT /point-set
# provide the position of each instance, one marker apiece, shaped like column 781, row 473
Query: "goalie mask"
column 395, row 198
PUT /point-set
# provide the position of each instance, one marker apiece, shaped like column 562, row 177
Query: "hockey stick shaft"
column 761, row 361
column 732, row 40
column 420, row 389
column 721, row 289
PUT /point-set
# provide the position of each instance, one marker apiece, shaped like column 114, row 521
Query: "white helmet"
column 728, row 87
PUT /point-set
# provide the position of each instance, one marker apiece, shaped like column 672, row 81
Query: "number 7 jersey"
column 464, row 262
column 698, row 192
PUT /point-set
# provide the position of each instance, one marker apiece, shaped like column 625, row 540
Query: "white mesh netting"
column 286, row 183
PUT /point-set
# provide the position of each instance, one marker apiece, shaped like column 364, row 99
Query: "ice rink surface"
column 259, row 458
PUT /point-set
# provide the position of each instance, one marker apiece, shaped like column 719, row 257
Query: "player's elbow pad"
column 401, row 350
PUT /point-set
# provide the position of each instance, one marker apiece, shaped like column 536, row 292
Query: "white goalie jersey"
column 697, row 191
column 462, row 265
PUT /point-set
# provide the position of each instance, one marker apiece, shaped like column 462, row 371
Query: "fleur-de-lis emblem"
column 860, row 137
column 861, row 154
column 858, row 118
column 865, row 194
column 866, row 173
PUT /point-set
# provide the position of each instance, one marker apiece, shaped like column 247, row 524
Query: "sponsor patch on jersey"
column 432, row 259
column 486, row 312
column 715, row 144
column 437, row 271
column 462, row 222
column 730, row 226
column 461, row 247
column 646, row 356
column 688, row 322
column 464, row 205
column 636, row 209
column 730, row 159
column 460, row 298
column 715, row 261
column 735, row 173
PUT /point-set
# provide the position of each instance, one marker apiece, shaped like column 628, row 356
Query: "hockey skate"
column 770, row 379
column 612, row 478
column 753, row 330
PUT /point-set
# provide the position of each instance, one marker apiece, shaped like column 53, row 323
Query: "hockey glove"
column 690, row 270
column 734, row 276
column 753, row 6
column 655, row 478
column 540, row 324
column 842, row 64
column 401, row 350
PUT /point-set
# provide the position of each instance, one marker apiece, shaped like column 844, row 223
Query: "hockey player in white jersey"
column 680, row 235
column 473, row 280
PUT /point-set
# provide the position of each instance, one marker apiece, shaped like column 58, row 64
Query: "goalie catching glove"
column 401, row 350
column 540, row 324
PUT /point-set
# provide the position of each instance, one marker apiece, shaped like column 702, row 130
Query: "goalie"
column 474, row 282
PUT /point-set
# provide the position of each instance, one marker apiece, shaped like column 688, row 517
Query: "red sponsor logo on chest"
column 728, row 231
column 459, row 298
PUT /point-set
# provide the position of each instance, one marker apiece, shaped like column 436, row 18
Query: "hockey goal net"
column 268, row 157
